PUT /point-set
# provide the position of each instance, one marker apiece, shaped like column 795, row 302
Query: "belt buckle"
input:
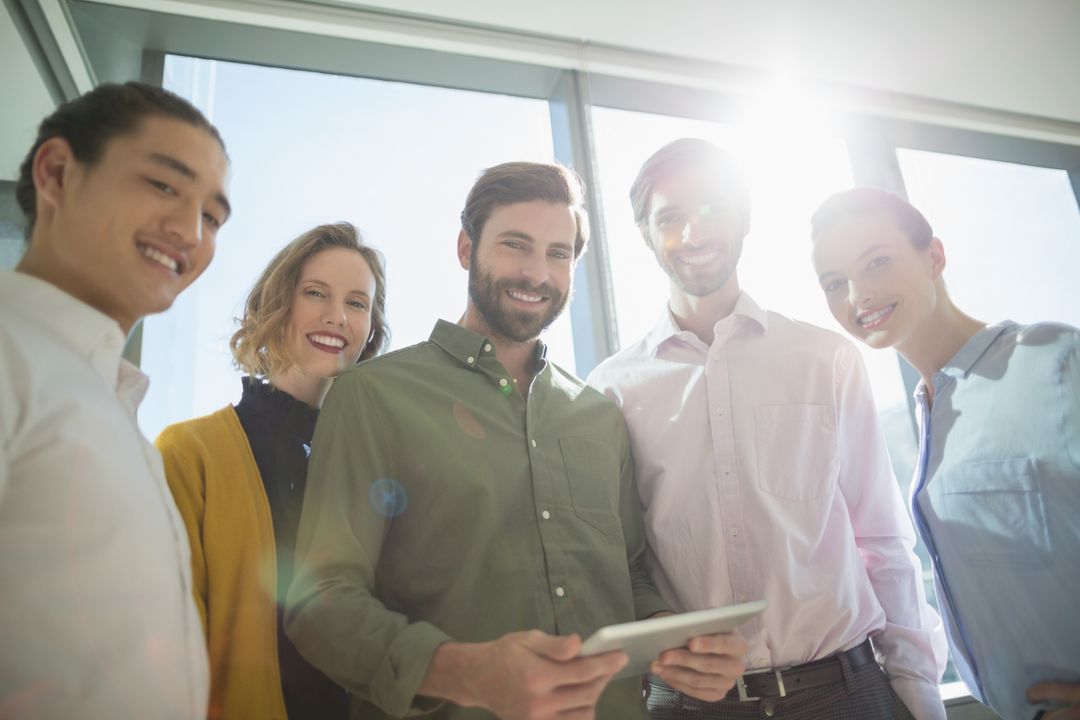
column 740, row 684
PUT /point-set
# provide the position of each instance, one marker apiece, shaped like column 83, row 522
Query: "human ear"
column 936, row 252
column 50, row 170
column 464, row 249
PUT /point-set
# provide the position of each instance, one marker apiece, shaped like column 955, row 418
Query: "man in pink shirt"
column 764, row 474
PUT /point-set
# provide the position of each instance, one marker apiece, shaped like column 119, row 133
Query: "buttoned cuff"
column 922, row 699
column 404, row 668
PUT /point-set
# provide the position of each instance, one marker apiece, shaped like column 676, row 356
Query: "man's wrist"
column 448, row 676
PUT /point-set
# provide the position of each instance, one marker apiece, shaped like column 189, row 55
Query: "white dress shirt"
column 96, row 613
column 764, row 474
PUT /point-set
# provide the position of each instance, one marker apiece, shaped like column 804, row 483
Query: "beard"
column 488, row 295
column 698, row 284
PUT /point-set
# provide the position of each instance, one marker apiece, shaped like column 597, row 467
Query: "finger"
column 1062, row 691
column 1071, row 713
column 593, row 667
column 719, row 644
column 571, row 698
column 553, row 647
column 709, row 664
column 704, row 687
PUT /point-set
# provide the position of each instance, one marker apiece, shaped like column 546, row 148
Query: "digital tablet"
column 644, row 640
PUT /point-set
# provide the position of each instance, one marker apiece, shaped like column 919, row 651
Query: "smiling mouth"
column 159, row 257
column 327, row 343
column 873, row 320
column 703, row 258
column 526, row 297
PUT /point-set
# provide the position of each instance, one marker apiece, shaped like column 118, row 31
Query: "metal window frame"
column 87, row 41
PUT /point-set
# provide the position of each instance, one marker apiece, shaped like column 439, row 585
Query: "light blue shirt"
column 997, row 500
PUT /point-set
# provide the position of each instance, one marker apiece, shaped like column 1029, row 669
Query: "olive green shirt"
column 442, row 505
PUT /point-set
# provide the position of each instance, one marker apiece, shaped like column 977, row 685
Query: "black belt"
column 758, row 684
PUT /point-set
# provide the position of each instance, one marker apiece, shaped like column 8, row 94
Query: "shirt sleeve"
column 188, row 485
column 647, row 599
column 332, row 614
column 913, row 642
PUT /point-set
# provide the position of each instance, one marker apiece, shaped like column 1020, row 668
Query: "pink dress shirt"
column 764, row 474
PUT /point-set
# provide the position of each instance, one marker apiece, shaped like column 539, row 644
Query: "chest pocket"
column 995, row 512
column 796, row 451
column 592, row 469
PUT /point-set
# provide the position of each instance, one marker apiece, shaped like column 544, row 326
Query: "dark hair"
column 90, row 121
column 679, row 155
column 867, row 201
column 515, row 182
column 258, row 345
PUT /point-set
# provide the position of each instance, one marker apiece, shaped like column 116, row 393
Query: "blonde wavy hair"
column 258, row 346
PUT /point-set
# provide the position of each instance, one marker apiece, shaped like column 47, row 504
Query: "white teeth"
column 327, row 340
column 525, row 298
column 159, row 257
column 699, row 259
column 876, row 315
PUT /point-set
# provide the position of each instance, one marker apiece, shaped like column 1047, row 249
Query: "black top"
column 279, row 429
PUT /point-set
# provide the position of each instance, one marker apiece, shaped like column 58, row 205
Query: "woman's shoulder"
column 204, row 432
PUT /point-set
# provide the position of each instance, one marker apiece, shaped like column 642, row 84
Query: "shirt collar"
column 468, row 346
column 962, row 363
column 668, row 327
column 964, row 360
column 91, row 333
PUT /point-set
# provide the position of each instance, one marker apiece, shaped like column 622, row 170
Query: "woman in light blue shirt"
column 996, row 495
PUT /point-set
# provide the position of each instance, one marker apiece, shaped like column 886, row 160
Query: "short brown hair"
column 90, row 121
column 869, row 200
column 515, row 182
column 257, row 346
column 679, row 155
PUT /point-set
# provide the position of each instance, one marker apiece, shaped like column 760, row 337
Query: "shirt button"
column 560, row 592
column 533, row 443
column 733, row 532
column 503, row 382
column 719, row 411
column 546, row 515
column 470, row 359
column 487, row 347
column 725, row 469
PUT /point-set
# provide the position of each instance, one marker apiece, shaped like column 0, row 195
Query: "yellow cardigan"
column 220, row 494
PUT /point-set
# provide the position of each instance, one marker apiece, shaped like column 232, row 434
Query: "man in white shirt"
column 123, row 191
column 764, row 474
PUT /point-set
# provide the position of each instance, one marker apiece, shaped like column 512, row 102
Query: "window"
column 395, row 159
column 790, row 171
column 1011, row 234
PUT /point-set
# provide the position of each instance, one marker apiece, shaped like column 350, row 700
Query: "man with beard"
column 471, row 511
column 764, row 474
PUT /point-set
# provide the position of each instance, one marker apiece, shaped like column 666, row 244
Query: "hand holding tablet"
column 644, row 640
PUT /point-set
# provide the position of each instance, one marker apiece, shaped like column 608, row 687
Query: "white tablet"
column 644, row 640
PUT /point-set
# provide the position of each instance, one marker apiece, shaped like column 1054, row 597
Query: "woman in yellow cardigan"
column 238, row 475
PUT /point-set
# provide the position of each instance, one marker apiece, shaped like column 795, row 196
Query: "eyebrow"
column 869, row 251
column 529, row 239
column 316, row 281
column 180, row 167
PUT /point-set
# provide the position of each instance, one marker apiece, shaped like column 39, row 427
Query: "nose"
column 335, row 313
column 535, row 269
column 184, row 223
column 694, row 231
column 859, row 296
